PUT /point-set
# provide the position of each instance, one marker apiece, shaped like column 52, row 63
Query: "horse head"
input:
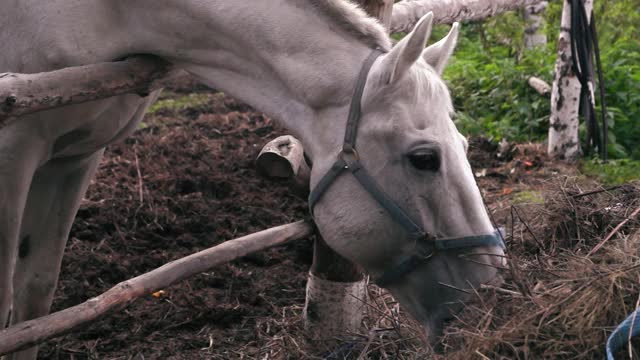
column 399, row 197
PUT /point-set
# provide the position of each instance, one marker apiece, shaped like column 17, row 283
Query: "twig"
column 465, row 258
column 454, row 287
column 501, row 290
column 526, row 225
column 614, row 231
column 483, row 356
column 595, row 191
column 140, row 194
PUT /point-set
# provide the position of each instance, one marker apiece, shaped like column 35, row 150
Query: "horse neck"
column 285, row 60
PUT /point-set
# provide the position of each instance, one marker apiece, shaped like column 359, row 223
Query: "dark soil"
column 185, row 182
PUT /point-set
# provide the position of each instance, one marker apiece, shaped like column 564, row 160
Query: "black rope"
column 584, row 41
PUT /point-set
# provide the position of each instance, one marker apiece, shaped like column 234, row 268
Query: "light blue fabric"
column 620, row 335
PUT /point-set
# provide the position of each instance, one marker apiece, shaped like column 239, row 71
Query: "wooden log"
column 32, row 332
column 22, row 94
column 539, row 85
column 407, row 12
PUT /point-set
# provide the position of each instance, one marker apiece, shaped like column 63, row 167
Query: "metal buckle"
column 349, row 156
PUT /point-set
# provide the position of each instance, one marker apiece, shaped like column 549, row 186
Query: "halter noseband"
column 348, row 159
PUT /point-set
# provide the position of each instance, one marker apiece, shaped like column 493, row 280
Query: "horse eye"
column 425, row 160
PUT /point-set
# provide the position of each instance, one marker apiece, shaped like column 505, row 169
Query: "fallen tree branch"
column 32, row 332
column 406, row 13
column 22, row 94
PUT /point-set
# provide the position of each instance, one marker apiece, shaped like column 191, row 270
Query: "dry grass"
column 556, row 302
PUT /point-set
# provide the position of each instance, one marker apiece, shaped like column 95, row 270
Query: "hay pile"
column 556, row 302
column 562, row 297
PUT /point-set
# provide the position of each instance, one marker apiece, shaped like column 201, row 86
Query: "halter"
column 348, row 159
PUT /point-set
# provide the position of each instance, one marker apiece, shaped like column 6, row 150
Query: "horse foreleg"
column 54, row 197
column 20, row 155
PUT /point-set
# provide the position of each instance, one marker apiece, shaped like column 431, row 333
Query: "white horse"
column 297, row 60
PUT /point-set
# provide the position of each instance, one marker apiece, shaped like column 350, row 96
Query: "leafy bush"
column 614, row 171
column 488, row 76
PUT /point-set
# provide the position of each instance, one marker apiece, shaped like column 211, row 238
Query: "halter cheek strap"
column 349, row 160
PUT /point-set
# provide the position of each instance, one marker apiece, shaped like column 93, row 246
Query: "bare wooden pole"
column 22, row 94
column 32, row 332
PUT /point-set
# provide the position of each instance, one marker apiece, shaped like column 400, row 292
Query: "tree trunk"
column 565, row 95
column 534, row 35
column 407, row 12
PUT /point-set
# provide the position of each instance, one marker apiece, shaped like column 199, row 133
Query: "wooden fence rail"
column 22, row 94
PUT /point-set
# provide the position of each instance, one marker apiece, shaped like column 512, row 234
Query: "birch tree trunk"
column 534, row 35
column 565, row 95
column 407, row 12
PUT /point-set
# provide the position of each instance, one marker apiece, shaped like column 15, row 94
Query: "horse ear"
column 396, row 63
column 438, row 54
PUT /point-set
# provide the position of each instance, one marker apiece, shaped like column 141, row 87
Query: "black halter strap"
column 349, row 160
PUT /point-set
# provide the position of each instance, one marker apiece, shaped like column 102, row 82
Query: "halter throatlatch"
column 349, row 160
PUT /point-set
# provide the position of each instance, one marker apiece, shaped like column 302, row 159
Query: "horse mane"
column 355, row 21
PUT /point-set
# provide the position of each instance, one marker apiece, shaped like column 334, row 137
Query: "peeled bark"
column 406, row 13
column 565, row 95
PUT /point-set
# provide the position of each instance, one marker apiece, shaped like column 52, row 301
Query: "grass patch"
column 179, row 103
column 528, row 197
column 613, row 172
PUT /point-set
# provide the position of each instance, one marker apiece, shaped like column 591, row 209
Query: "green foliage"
column 613, row 172
column 488, row 76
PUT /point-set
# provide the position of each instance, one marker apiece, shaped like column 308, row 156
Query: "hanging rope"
column 584, row 41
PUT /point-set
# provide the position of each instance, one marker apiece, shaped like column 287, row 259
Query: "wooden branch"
column 22, row 94
column 614, row 231
column 32, row 332
column 540, row 86
column 407, row 12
